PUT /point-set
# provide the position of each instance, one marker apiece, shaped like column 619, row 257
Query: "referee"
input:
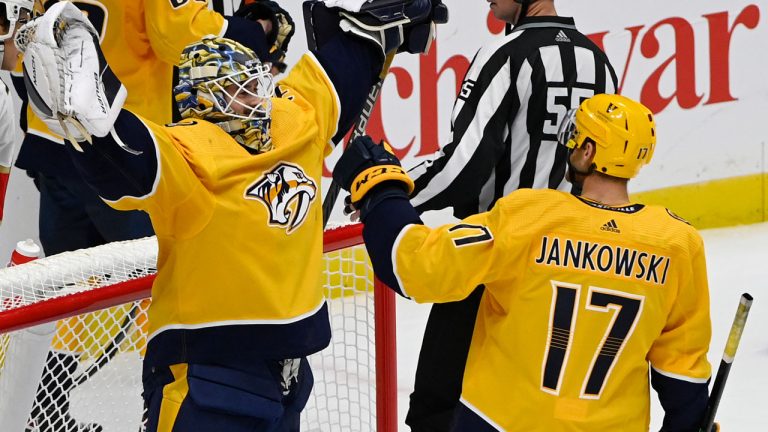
column 503, row 137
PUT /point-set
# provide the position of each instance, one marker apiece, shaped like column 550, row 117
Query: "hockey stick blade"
column 734, row 337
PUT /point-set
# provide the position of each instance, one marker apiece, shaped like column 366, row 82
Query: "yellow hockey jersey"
column 240, row 235
column 141, row 40
column 579, row 299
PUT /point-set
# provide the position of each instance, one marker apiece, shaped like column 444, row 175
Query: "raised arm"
column 173, row 25
column 428, row 265
column 89, row 113
column 350, row 44
column 114, row 171
column 348, row 67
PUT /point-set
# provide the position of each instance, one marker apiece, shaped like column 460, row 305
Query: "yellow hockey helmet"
column 623, row 131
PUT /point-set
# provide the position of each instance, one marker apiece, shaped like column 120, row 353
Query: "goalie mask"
column 622, row 130
column 225, row 83
column 12, row 12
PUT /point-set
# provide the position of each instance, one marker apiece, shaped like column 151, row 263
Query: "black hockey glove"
column 403, row 25
column 371, row 173
column 283, row 27
column 418, row 38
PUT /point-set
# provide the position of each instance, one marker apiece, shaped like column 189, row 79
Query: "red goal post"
column 98, row 297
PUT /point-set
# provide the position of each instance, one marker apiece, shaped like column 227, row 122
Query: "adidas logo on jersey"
column 562, row 37
column 611, row 226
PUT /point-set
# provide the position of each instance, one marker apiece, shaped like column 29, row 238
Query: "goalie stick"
column 725, row 363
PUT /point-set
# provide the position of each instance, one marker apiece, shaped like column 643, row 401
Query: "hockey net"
column 73, row 333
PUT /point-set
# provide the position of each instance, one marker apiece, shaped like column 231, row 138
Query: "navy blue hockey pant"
column 206, row 398
column 72, row 216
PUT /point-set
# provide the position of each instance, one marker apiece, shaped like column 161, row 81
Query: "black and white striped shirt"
column 504, row 122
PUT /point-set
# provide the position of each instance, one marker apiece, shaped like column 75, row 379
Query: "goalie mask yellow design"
column 225, row 83
column 623, row 131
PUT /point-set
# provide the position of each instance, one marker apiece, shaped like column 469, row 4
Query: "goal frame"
column 54, row 309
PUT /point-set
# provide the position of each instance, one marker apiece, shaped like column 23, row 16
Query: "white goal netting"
column 73, row 333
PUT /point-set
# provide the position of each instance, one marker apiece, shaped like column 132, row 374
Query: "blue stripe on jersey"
column 240, row 346
column 18, row 84
column 113, row 172
column 353, row 65
column 684, row 402
column 386, row 220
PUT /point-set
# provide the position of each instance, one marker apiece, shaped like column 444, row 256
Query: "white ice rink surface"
column 737, row 262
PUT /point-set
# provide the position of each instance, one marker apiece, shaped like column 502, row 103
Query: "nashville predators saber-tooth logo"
column 287, row 192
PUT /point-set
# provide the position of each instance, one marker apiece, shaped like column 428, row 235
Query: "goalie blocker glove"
column 282, row 31
column 371, row 173
column 69, row 83
column 393, row 25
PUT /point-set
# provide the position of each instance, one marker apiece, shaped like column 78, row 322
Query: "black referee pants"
column 442, row 359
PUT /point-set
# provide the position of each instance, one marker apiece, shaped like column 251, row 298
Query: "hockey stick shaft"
column 357, row 131
column 734, row 337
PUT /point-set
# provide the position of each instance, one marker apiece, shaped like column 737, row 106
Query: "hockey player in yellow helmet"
column 622, row 130
column 607, row 297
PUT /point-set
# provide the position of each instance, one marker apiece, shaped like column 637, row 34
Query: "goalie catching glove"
column 371, row 173
column 69, row 83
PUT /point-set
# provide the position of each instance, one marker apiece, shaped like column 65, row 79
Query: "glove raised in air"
column 283, row 27
column 393, row 25
column 371, row 173
column 69, row 83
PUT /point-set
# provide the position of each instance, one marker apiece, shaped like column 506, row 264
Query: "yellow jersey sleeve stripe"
column 681, row 377
column 224, row 28
column 480, row 414
column 49, row 137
